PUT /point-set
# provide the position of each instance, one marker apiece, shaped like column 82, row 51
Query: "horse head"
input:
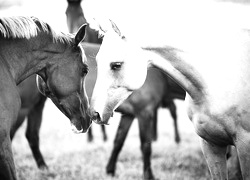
column 63, row 82
column 121, row 70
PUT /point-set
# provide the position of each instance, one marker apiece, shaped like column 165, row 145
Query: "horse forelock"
column 27, row 27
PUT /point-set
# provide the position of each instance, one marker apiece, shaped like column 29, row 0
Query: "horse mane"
column 27, row 27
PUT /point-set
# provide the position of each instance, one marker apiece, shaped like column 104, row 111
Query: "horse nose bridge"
column 84, row 105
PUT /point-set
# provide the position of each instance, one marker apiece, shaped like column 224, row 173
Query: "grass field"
column 69, row 156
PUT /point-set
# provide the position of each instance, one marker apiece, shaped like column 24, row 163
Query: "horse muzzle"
column 80, row 125
column 95, row 116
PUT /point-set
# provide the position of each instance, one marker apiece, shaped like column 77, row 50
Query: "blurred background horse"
column 75, row 18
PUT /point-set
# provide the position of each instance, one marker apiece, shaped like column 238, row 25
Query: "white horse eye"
column 116, row 66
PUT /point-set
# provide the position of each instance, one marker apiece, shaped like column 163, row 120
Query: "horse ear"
column 115, row 28
column 80, row 35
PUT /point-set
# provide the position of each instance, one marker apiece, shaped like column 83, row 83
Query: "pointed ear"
column 116, row 29
column 80, row 35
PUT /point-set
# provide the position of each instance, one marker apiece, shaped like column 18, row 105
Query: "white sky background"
column 161, row 21
column 50, row 11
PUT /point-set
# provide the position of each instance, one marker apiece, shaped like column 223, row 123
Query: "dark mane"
column 27, row 27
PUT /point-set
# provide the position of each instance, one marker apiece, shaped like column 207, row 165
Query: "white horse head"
column 121, row 70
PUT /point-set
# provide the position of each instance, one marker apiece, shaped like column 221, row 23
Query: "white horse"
column 204, row 46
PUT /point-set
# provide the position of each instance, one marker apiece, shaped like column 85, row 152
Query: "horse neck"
column 173, row 90
column 25, row 57
column 183, row 73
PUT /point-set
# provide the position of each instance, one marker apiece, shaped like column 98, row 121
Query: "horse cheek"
column 135, row 78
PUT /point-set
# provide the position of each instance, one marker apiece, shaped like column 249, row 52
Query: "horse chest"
column 218, row 128
column 211, row 129
column 9, row 97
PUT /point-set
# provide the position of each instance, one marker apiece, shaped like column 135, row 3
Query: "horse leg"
column 172, row 109
column 216, row 159
column 105, row 137
column 7, row 166
column 32, row 132
column 90, row 135
column 17, row 124
column 121, row 134
column 154, row 133
column 9, row 106
column 243, row 151
column 234, row 172
column 145, row 127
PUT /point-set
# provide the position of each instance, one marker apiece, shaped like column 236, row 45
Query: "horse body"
column 29, row 46
column 205, row 49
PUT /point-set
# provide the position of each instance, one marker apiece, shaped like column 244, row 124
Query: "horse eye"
column 116, row 65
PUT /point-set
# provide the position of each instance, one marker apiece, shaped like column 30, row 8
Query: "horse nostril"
column 96, row 117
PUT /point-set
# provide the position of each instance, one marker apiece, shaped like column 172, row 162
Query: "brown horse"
column 158, row 90
column 30, row 46
column 32, row 104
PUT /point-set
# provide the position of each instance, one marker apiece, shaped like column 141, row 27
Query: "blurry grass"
column 70, row 157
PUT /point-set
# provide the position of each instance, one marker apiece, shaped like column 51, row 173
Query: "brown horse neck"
column 26, row 57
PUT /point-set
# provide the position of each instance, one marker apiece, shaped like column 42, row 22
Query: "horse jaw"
column 102, row 106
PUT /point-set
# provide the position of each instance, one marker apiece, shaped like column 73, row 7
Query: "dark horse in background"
column 157, row 91
column 30, row 46
column 75, row 19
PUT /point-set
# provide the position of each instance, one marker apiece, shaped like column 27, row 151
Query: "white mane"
column 27, row 27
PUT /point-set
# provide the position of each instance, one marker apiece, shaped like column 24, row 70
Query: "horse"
column 75, row 18
column 157, row 91
column 203, row 46
column 29, row 46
